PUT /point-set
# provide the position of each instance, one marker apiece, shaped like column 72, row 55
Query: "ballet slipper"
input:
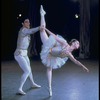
column 50, row 92
column 20, row 92
column 35, row 86
column 42, row 12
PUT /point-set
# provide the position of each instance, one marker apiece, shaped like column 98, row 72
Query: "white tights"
column 24, row 63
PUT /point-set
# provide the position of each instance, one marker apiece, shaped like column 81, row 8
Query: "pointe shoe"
column 50, row 92
column 20, row 92
column 35, row 86
column 42, row 12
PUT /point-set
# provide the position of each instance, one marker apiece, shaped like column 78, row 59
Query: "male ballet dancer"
column 21, row 56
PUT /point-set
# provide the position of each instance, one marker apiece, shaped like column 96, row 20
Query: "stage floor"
column 70, row 82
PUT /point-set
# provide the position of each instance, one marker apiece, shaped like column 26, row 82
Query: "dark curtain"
column 84, row 28
column 32, row 17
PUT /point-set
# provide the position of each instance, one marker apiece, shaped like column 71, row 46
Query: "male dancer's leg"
column 33, row 84
column 24, row 66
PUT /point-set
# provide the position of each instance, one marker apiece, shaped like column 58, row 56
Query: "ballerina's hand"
column 86, row 68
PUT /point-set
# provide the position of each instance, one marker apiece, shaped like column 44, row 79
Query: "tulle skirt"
column 49, row 60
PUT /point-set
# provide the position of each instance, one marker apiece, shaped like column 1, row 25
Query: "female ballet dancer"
column 55, row 50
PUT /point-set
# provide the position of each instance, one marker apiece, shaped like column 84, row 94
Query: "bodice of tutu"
column 55, row 51
column 59, row 52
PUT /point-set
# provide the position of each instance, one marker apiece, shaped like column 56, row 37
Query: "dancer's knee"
column 27, row 72
column 49, row 69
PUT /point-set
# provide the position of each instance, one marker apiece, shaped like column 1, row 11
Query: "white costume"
column 20, row 54
column 54, row 57
column 50, row 51
column 54, row 53
column 24, row 40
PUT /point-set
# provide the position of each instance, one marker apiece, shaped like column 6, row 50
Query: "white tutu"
column 49, row 60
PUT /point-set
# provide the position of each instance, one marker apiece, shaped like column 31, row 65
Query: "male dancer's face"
column 26, row 23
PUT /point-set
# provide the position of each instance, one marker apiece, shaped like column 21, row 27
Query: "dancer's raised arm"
column 57, row 38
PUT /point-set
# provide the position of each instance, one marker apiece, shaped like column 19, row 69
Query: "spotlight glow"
column 76, row 16
column 20, row 15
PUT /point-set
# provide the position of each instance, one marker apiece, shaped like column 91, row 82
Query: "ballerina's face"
column 75, row 44
column 26, row 23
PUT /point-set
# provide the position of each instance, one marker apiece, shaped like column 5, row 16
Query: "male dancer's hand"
column 41, row 28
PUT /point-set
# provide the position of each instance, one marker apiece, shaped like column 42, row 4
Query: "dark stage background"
column 60, row 19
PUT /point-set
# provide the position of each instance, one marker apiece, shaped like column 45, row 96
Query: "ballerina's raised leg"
column 43, row 34
column 44, row 37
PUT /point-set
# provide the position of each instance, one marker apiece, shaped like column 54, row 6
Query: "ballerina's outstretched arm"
column 57, row 38
column 71, row 57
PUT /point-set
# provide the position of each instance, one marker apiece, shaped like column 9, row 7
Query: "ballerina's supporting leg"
column 49, row 76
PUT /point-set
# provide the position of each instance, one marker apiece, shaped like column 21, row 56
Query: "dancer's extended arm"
column 57, row 38
column 27, row 31
column 71, row 57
